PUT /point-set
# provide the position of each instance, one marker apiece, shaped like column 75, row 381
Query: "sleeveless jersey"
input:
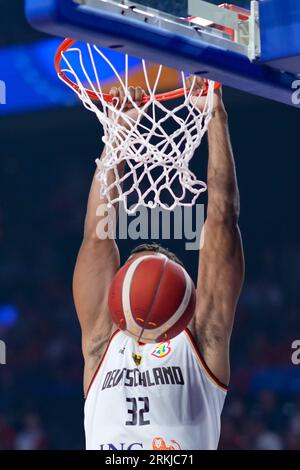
column 160, row 397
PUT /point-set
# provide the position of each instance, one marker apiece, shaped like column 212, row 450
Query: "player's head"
column 150, row 248
column 152, row 298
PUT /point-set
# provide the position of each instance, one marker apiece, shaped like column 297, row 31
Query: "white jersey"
column 160, row 397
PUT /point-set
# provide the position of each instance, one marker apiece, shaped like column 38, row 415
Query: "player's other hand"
column 197, row 86
column 126, row 103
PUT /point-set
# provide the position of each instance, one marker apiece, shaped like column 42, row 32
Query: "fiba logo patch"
column 162, row 350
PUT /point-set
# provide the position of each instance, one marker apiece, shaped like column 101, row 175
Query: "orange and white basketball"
column 152, row 298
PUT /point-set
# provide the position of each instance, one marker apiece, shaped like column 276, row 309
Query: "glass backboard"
column 242, row 49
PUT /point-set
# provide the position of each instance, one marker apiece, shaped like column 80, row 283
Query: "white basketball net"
column 157, row 146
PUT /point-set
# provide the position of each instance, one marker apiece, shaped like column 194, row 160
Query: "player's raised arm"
column 221, row 264
column 97, row 262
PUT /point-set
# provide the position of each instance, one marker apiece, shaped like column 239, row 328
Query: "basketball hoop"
column 157, row 146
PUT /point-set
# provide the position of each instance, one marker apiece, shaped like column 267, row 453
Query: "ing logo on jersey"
column 162, row 350
column 159, row 443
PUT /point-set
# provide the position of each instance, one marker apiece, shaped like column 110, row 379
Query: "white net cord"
column 157, row 143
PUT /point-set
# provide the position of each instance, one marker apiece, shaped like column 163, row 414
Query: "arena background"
column 48, row 145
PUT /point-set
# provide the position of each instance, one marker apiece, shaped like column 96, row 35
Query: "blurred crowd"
column 44, row 179
column 262, row 410
column 41, row 393
column 42, row 402
column 41, row 386
column 41, row 224
column 264, row 420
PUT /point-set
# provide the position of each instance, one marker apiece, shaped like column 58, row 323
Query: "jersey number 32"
column 138, row 407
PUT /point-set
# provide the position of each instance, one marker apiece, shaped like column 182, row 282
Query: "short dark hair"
column 156, row 248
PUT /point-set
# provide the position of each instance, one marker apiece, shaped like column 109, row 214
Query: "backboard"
column 244, row 49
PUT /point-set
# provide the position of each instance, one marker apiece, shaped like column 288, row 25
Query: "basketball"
column 152, row 299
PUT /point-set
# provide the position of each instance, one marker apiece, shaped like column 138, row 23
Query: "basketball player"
column 168, row 396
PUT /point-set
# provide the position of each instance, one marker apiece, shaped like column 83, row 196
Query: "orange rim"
column 67, row 43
